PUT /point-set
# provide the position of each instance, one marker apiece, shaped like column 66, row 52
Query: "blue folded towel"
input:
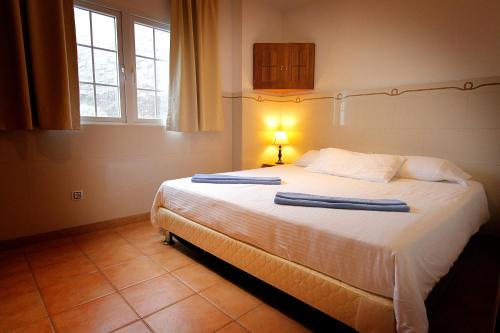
column 305, row 196
column 230, row 179
column 309, row 200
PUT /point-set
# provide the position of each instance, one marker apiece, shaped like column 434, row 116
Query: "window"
column 123, row 71
column 98, row 64
column 152, row 49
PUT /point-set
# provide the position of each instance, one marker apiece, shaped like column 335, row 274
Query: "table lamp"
column 280, row 138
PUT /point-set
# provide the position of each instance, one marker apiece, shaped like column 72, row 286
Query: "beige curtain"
column 38, row 65
column 195, row 96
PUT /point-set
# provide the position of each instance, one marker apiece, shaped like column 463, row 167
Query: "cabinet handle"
column 281, row 67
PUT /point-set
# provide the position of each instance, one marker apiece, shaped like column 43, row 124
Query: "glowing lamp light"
column 280, row 138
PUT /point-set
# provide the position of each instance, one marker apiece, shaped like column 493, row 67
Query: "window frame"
column 134, row 116
column 104, row 10
column 125, row 20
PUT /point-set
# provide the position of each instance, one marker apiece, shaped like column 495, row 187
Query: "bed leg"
column 168, row 238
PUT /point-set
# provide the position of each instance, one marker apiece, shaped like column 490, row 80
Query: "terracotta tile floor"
column 125, row 280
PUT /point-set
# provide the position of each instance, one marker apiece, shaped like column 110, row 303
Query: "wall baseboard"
column 81, row 229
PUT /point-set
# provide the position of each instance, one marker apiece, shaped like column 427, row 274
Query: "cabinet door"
column 299, row 66
column 268, row 66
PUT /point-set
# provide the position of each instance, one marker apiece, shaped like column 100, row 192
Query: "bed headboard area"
column 462, row 125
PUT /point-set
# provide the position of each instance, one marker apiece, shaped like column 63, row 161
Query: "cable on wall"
column 394, row 92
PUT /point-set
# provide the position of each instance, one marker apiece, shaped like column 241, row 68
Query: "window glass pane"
column 108, row 104
column 85, row 64
column 87, row 106
column 162, row 44
column 146, row 104
column 105, row 67
column 97, row 67
column 82, row 24
column 161, row 104
column 104, row 31
column 161, row 75
column 144, row 40
column 145, row 71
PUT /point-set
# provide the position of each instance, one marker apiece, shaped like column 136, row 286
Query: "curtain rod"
column 394, row 92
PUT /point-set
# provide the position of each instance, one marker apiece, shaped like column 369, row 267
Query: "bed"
column 370, row 270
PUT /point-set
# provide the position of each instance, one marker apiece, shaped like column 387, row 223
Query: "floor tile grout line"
column 223, row 327
column 116, row 290
column 197, row 292
column 247, row 312
column 241, row 325
column 233, row 322
column 39, row 290
column 166, row 268
column 131, row 323
column 82, row 274
column 82, row 303
column 97, row 270
column 167, row 306
column 184, row 283
column 128, row 241
column 100, row 270
column 139, row 282
column 54, row 263
column 179, row 280
column 60, row 263
column 84, row 254
column 122, row 262
column 118, row 263
column 221, row 309
column 25, row 271
column 118, row 235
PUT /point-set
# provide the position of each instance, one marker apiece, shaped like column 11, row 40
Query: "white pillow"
column 432, row 169
column 372, row 167
column 307, row 158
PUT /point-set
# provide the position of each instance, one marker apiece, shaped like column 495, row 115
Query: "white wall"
column 253, row 21
column 463, row 127
column 236, row 65
column 375, row 44
column 260, row 24
column 119, row 167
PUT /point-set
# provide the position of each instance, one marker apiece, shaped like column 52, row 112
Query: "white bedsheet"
column 396, row 255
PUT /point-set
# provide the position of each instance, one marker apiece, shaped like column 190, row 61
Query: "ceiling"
column 285, row 5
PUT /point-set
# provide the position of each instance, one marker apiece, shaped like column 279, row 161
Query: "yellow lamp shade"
column 280, row 138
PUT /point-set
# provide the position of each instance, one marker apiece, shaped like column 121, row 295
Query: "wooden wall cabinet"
column 283, row 67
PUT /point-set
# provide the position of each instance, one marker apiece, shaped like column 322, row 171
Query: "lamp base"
column 279, row 155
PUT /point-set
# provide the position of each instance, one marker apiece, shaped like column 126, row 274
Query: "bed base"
column 363, row 311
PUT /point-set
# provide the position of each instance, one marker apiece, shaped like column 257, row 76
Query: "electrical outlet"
column 77, row 195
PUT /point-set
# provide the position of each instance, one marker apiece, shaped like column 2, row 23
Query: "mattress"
column 396, row 255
